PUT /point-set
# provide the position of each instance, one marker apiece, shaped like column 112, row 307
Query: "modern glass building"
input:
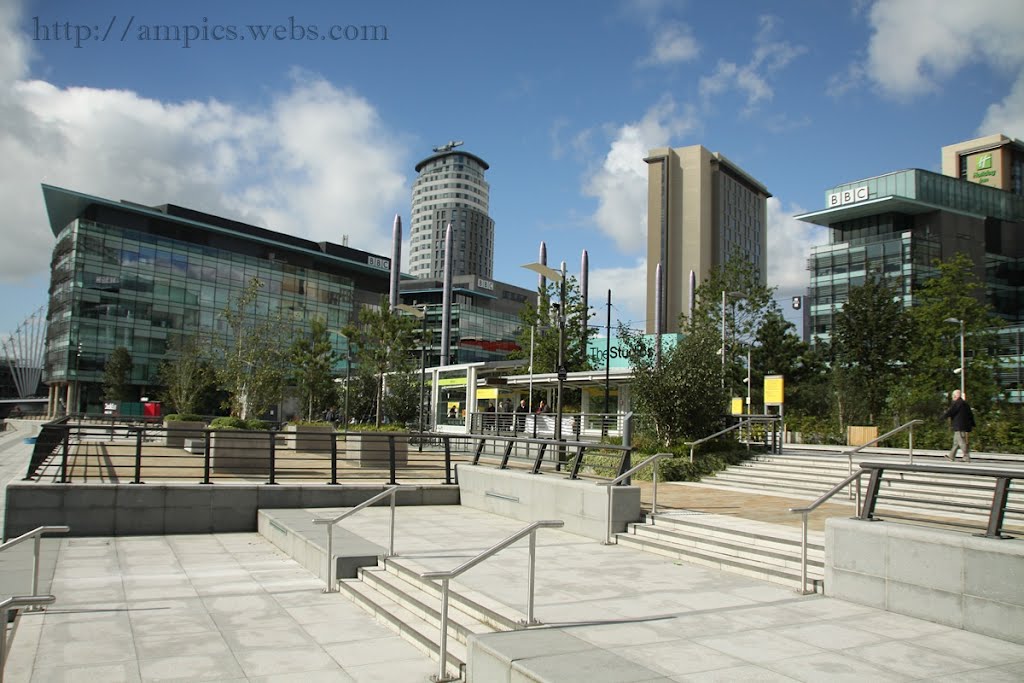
column 123, row 274
column 897, row 225
column 451, row 189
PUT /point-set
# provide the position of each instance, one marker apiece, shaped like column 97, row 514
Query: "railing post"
column 391, row 459
column 867, row 511
column 530, row 579
column 654, row 493
column 36, row 552
column 998, row 511
column 447, row 459
column 442, row 660
column 391, row 533
column 911, row 444
column 138, row 456
column 207, row 442
column 64, row 457
column 329, row 588
column 334, row 458
column 803, row 553
column 608, row 531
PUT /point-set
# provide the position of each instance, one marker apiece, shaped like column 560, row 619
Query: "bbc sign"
column 857, row 194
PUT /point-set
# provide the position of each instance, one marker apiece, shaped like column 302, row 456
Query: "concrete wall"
column 582, row 505
column 155, row 509
column 948, row 577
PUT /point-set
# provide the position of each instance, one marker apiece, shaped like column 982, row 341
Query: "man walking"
column 962, row 420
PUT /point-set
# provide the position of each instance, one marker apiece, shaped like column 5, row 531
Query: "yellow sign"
column 487, row 393
column 737, row 405
column 773, row 390
column 452, row 382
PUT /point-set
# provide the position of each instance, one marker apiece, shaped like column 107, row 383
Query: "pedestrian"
column 542, row 407
column 961, row 419
column 521, row 409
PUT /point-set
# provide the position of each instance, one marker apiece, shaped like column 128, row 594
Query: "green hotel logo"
column 984, row 162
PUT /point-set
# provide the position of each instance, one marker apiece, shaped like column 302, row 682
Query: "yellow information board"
column 737, row 405
column 774, row 390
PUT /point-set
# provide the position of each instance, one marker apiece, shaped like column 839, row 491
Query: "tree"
column 683, row 396
column 779, row 351
column 542, row 318
column 185, row 373
column 313, row 358
column 117, row 375
column 401, row 397
column 250, row 361
column 870, row 339
column 954, row 292
column 384, row 342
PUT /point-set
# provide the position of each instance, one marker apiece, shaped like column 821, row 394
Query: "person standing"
column 961, row 419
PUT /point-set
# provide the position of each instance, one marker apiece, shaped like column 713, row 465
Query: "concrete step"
column 421, row 634
column 738, row 531
column 757, row 555
column 727, row 563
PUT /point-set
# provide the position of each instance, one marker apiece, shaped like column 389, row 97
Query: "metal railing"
column 446, row 576
column 902, row 427
column 805, row 511
column 625, row 475
column 36, row 535
column 16, row 602
column 731, row 428
column 389, row 491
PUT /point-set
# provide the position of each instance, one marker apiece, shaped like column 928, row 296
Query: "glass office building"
column 897, row 225
column 133, row 276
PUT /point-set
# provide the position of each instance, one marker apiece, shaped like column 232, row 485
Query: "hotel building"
column 702, row 209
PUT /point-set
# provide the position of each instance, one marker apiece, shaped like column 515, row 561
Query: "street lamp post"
column 724, row 294
column 962, row 373
column 556, row 276
column 422, row 314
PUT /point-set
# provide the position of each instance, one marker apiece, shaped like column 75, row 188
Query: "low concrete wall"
column 156, row 509
column 180, row 430
column 582, row 505
column 948, row 577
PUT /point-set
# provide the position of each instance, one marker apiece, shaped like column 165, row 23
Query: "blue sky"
column 319, row 137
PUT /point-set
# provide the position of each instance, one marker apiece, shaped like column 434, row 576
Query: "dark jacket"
column 960, row 415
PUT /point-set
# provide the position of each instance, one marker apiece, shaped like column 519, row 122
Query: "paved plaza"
column 231, row 607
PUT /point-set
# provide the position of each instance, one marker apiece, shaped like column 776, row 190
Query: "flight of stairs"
column 769, row 552
column 411, row 606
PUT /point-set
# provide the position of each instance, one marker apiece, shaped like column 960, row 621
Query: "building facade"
column 123, row 274
column 702, row 209
column 451, row 188
column 994, row 160
column 897, row 225
column 485, row 320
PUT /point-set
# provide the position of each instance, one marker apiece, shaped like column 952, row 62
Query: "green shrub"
column 370, row 427
column 184, row 417
column 311, row 423
column 228, row 423
column 707, row 460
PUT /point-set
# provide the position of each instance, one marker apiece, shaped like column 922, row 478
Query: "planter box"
column 373, row 450
column 240, row 452
column 312, row 438
column 178, row 431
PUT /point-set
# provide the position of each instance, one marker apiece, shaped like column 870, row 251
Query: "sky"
column 308, row 118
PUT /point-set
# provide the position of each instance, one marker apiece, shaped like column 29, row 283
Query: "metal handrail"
column 717, row 434
column 806, row 510
column 389, row 491
column 446, row 576
column 35, row 534
column 622, row 477
column 16, row 602
column 906, row 425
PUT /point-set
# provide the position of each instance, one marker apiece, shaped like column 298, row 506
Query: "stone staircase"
column 807, row 476
column 397, row 596
column 761, row 550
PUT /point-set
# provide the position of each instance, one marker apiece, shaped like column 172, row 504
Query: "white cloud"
column 620, row 184
column 629, row 294
column 1006, row 117
column 789, row 243
column 752, row 79
column 917, row 43
column 305, row 165
column 674, row 42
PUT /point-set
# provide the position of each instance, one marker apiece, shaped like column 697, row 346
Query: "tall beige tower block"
column 702, row 209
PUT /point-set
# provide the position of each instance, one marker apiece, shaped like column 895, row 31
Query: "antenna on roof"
column 449, row 146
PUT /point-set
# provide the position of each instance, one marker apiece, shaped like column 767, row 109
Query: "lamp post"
column 556, row 276
column 962, row 373
column 422, row 314
column 724, row 294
